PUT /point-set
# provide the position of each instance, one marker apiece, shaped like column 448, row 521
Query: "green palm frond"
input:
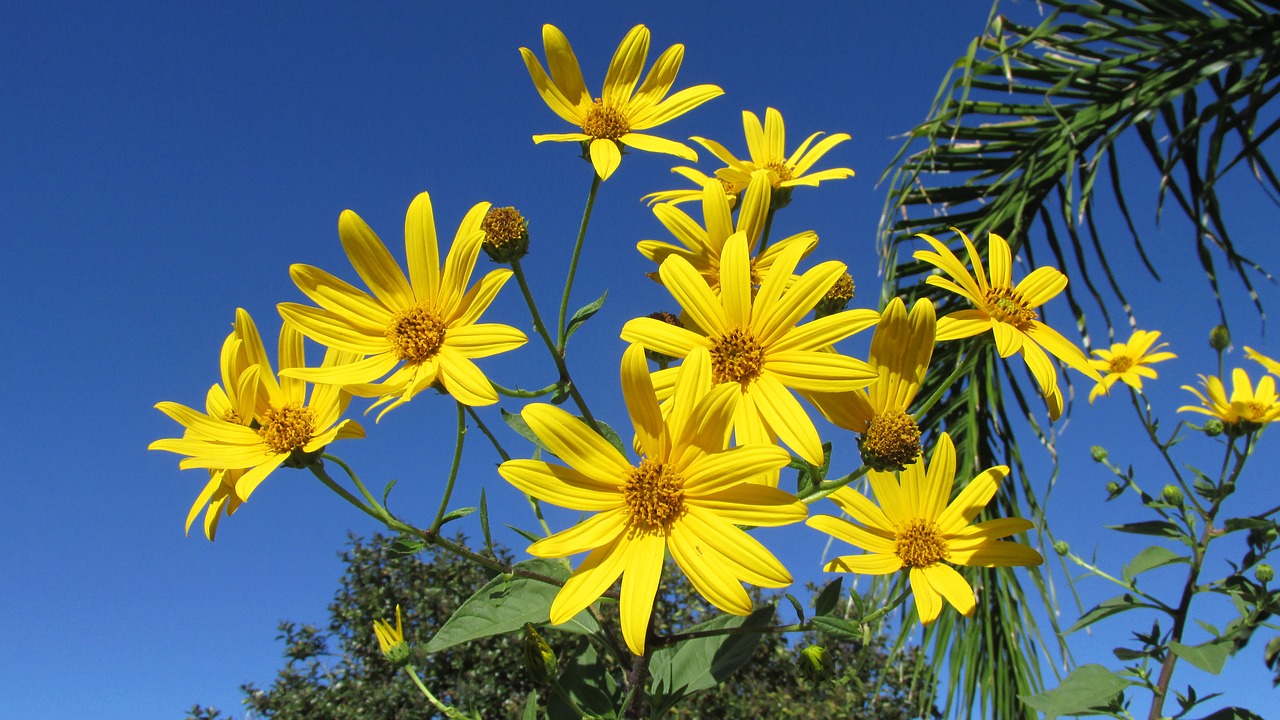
column 1027, row 127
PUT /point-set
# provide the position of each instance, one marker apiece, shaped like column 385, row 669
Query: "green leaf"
column 829, row 597
column 704, row 662
column 505, row 604
column 585, row 680
column 611, row 435
column 530, row 707
column 1106, row 608
column 406, row 545
column 795, row 604
column 584, row 314
column 1088, row 688
column 1233, row 713
column 518, row 424
column 1209, row 656
column 484, row 523
column 1233, row 524
column 456, row 514
column 1125, row 654
column 1163, row 528
column 531, row 537
column 837, row 627
column 1149, row 559
column 386, row 492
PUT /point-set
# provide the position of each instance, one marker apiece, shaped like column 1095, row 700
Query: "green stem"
column 487, row 433
column 525, row 394
column 962, row 368
column 378, row 514
column 573, row 262
column 826, row 488
column 768, row 226
column 448, row 710
column 453, row 469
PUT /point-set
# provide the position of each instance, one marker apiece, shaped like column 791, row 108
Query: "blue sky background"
column 164, row 165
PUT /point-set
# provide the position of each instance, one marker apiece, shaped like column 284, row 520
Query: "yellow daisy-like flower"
column 704, row 246
column 754, row 342
column 426, row 324
column 900, row 352
column 1247, row 409
column 611, row 120
column 286, row 427
column 767, row 146
column 1127, row 362
column 914, row 528
column 687, row 494
column 391, row 639
column 700, row 180
column 1008, row 311
column 1271, row 365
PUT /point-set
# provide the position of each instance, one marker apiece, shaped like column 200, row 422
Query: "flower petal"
column 784, row 416
column 639, row 587
column 605, row 157
column 596, row 573
column 873, row 564
column 576, row 443
column 422, row 249
column 928, row 602
column 858, row 537
column 373, row 262
column 463, row 380
column 953, row 587
column 561, row 485
column 596, row 531
column 971, row 500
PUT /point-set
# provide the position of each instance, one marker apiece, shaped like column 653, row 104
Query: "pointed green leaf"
column 1162, row 528
column 517, row 423
column 530, row 707
column 1088, row 688
column 1233, row 713
column 829, row 597
column 1149, row 559
column 584, row 314
column 1106, row 608
column 1209, row 656
column 704, row 662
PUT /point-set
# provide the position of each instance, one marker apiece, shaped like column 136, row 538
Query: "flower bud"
column 814, row 664
column 1220, row 338
column 1113, row 488
column 1061, row 547
column 1214, row 427
column 1172, row 494
column 1099, row 453
column 506, row 234
column 538, row 656
column 837, row 297
column 391, row 640
column 1264, row 573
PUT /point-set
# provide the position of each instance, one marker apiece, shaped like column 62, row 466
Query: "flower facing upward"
column 1008, row 311
column 1127, row 362
column 900, row 352
column 425, row 324
column 286, row 426
column 1246, row 410
column 612, row 119
column 686, row 495
column 915, row 529
column 703, row 247
column 767, row 146
column 754, row 342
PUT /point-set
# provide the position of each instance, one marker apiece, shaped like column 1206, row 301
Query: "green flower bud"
column 538, row 656
column 1113, row 487
column 1264, row 573
column 1220, row 338
column 391, row 640
column 1099, row 453
column 506, row 234
column 814, row 664
column 1062, row 547
column 1214, row 427
column 1172, row 494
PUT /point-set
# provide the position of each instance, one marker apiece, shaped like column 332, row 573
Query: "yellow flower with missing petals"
column 914, row 529
column 287, row 427
column 900, row 352
column 1247, row 409
column 1008, row 311
column 704, row 246
column 1271, row 366
column 425, row 324
column 686, row 495
column 756, row 346
column 611, row 120
column 391, row 640
column 767, row 146
column 1127, row 362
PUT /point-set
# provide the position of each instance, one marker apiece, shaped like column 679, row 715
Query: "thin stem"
column 525, row 394
column 375, row 511
column 453, row 469
column 768, row 226
column 573, row 261
column 962, row 368
column 487, row 433
column 448, row 710
column 830, row 486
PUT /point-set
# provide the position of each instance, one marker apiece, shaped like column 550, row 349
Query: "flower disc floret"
column 921, row 544
column 891, row 442
column 654, row 495
column 736, row 356
column 287, row 428
column 416, row 334
column 1006, row 305
column 605, row 122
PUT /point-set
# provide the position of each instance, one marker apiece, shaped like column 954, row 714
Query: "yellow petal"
column 689, row 288
column 333, row 331
column 655, row 144
column 658, row 82
column 594, row 532
column 639, row 587
column 565, row 71
column 707, row 572
column 663, row 337
column 551, row 94
column 928, row 602
column 852, row 534
column 997, row 553
column 716, row 472
column 752, row 504
column 735, row 282
column 341, row 298
column 784, row 416
column 596, row 573
column 561, row 485
column 463, row 380
column 624, row 69
column 478, row 298
column 971, row 500
column 422, row 250
column 819, row 371
column 605, row 157
column 642, row 406
column 873, row 564
column 372, row 262
column 576, row 443
column 952, row 586
column 483, row 340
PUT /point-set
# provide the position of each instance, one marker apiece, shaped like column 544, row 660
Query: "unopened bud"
column 538, row 656
column 1220, row 338
column 1113, row 487
column 506, row 234
column 1062, row 547
column 1099, row 453
column 391, row 640
column 669, row 319
column 814, row 664
column 1172, row 494
column 1214, row 427
column 837, row 297
column 1264, row 573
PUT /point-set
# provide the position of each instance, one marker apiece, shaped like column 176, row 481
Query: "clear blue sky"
column 161, row 166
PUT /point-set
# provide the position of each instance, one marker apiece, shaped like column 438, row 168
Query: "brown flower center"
column 1120, row 363
column 920, row 544
column 736, row 357
column 416, row 334
column 503, row 226
column 654, row 495
column 287, row 429
column 1006, row 305
column 891, row 442
column 605, row 122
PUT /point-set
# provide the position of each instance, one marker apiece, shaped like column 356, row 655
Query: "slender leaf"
column 1089, row 688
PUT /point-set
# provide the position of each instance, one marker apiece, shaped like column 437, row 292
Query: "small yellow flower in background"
column 1127, row 362
column 391, row 640
column 754, row 342
column 425, row 324
column 767, row 147
column 703, row 246
column 611, row 120
column 700, row 180
column 687, row 495
column 286, row 427
column 914, row 529
column 1247, row 409
column 1270, row 365
column 1008, row 311
column 900, row 352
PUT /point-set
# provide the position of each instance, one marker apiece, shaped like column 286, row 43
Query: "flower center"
column 779, row 170
column 891, row 442
column 605, row 122
column 920, row 544
column 1120, row 363
column 1254, row 411
column 232, row 416
column 654, row 495
column 287, row 429
column 504, row 227
column 416, row 334
column 736, row 357
column 1007, row 306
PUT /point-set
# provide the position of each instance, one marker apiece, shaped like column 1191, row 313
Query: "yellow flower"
column 1271, row 366
column 698, row 178
column 915, row 529
column 687, row 494
column 1008, row 311
column 611, row 120
column 1247, row 409
column 768, row 147
column 391, row 639
column 704, row 246
column 286, row 426
column 425, row 324
column 755, row 345
column 1127, row 362
column 900, row 352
